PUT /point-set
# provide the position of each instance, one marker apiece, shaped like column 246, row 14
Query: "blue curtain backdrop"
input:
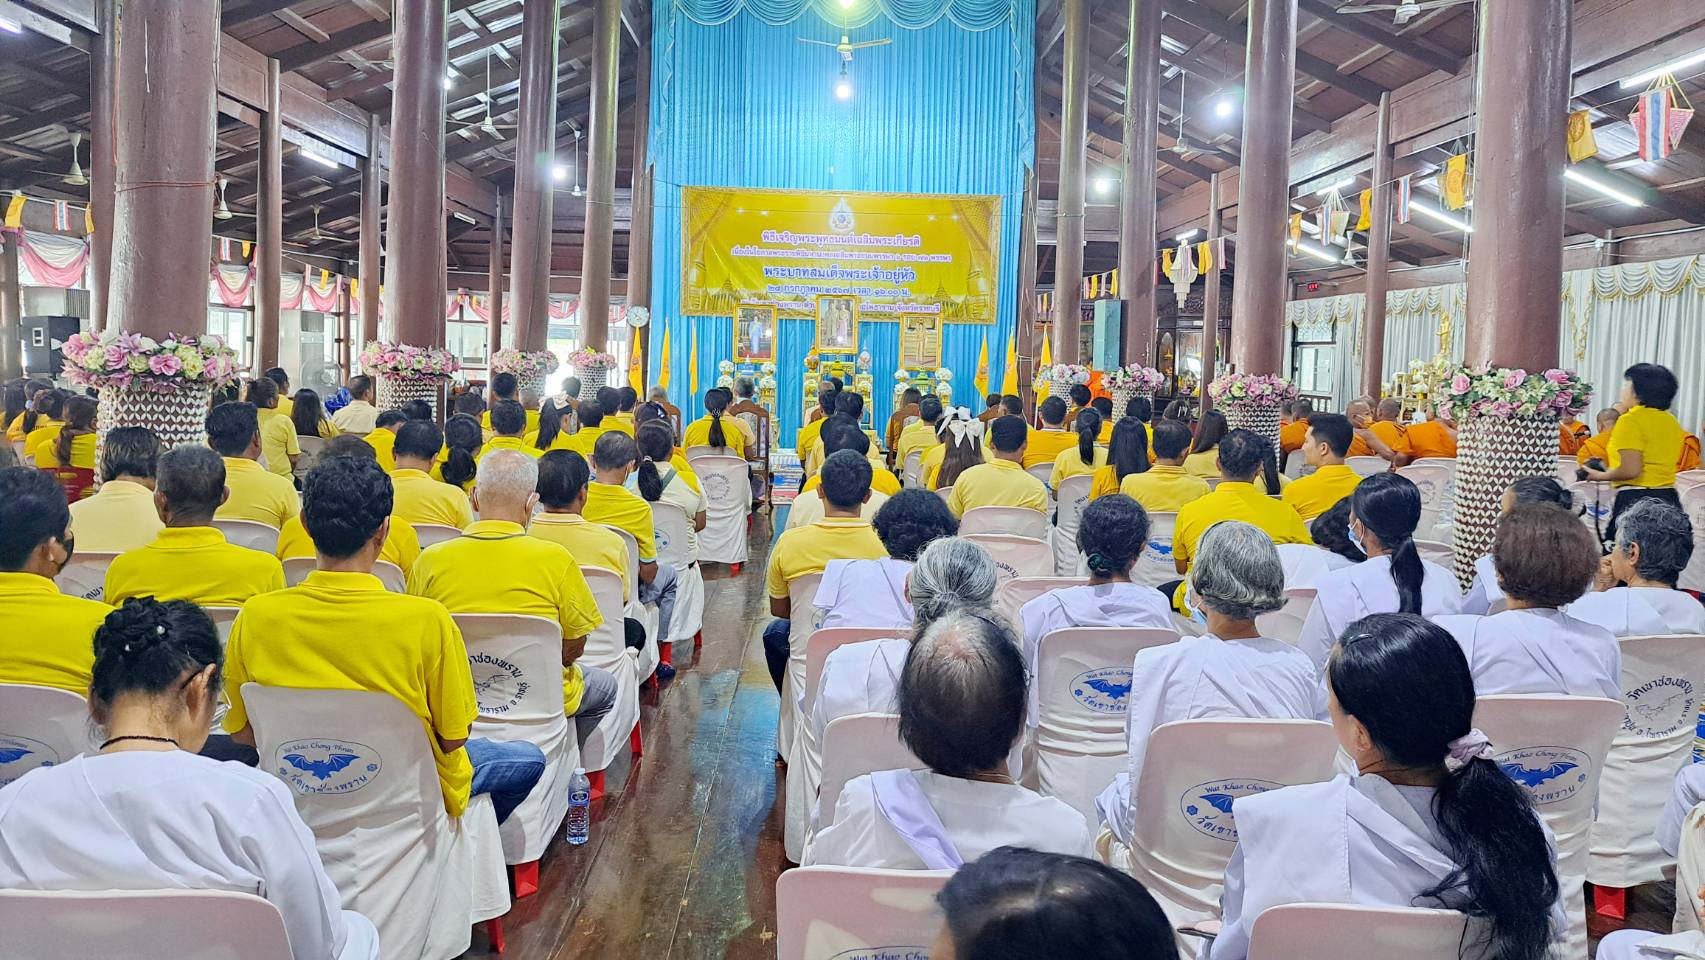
column 738, row 101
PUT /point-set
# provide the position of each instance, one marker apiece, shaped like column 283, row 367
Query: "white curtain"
column 1342, row 316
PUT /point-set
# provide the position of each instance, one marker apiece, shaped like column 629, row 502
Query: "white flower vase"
column 592, row 376
column 1257, row 418
column 178, row 418
column 1492, row 453
column 396, row 391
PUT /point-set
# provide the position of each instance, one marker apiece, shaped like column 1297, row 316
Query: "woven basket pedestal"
column 1492, row 453
column 178, row 418
column 592, row 376
column 1122, row 397
column 530, row 384
column 1258, row 419
column 396, row 391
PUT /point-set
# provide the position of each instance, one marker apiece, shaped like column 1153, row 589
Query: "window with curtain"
column 232, row 324
column 1312, row 360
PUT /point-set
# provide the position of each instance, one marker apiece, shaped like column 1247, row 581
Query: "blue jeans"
column 777, row 648
column 596, row 699
column 507, row 770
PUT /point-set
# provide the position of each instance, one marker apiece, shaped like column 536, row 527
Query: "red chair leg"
column 526, row 877
column 698, row 640
column 1610, row 902
column 666, row 654
column 636, row 743
column 494, row 933
column 734, row 568
column 596, row 778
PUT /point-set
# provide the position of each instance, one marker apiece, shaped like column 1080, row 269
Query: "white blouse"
column 865, row 593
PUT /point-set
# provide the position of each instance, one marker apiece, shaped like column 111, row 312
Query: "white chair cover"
column 1686, row 480
column 1082, row 687
column 854, row 746
column 823, row 913
column 1442, row 554
column 249, row 533
column 945, row 493
column 1295, row 464
column 1367, row 466
column 1286, row 622
column 672, row 528
column 1555, row 748
column 378, row 818
column 1182, row 804
column 311, row 448
column 85, row 576
column 645, row 613
column 1595, row 499
column 803, row 618
column 607, row 649
column 1070, row 500
column 1155, row 565
column 517, row 667
column 296, row 570
column 1041, row 471
column 431, row 533
column 40, row 727
column 1012, row 594
column 1018, row 521
column 1431, row 479
column 1016, row 556
column 1336, row 931
column 699, row 453
column 728, row 500
column 1566, row 467
column 1693, row 503
column 142, row 925
column 1661, row 680
column 911, row 472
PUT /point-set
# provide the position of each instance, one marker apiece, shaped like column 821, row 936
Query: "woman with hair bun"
column 146, row 813
column 872, row 593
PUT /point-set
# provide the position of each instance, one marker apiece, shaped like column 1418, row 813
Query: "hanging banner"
column 1582, row 143
column 1296, row 227
column 1366, row 219
column 1454, row 183
column 15, row 211
column 894, row 253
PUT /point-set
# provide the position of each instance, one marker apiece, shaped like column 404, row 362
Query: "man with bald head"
column 1388, row 431
column 1365, row 443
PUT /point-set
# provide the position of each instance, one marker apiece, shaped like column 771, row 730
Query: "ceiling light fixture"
column 1334, row 188
column 1318, row 253
column 843, row 89
column 1186, row 235
column 1224, row 107
column 559, row 173
column 1575, row 176
column 1675, row 66
column 1440, row 216
column 318, row 158
column 1104, row 185
column 11, row 26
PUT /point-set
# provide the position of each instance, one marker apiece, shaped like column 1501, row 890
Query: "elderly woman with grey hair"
column 950, row 573
column 1230, row 671
column 1654, row 543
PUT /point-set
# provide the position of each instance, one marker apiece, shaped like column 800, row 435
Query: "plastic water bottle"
column 579, row 807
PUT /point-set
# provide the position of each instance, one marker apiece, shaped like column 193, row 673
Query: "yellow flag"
column 1009, row 380
column 88, row 220
column 636, row 365
column 1582, row 144
column 354, row 287
column 1115, row 285
column 15, row 211
column 1455, row 182
column 1366, row 219
column 982, row 379
column 1166, row 262
column 247, row 245
column 663, row 362
column 1047, row 353
column 1204, row 256
column 1296, row 227
column 693, row 362
column 325, row 278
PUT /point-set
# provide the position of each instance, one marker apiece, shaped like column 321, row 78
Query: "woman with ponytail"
column 1127, row 454
column 556, row 425
column 42, row 422
column 712, row 430
column 1427, row 820
column 464, row 437
column 144, row 811
column 74, row 447
column 1393, row 579
column 1085, row 457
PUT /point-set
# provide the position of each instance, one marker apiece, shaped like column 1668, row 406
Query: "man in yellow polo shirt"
column 1236, row 498
column 1045, row 445
column 1165, row 487
column 402, row 544
column 920, row 436
column 340, row 629
column 807, row 437
column 1002, row 481
column 619, row 415
column 1324, row 447
column 504, row 386
column 358, row 416
column 121, row 515
column 509, row 426
column 563, row 480
column 841, row 434
column 278, row 443
column 383, row 437
column 46, row 637
column 233, row 431
column 593, row 425
column 419, row 498
column 540, row 579
column 190, row 559
column 840, row 535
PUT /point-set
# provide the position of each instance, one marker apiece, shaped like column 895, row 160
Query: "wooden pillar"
column 1515, row 257
column 600, row 175
column 103, row 57
column 11, row 308
column 344, row 352
column 1074, row 130
column 535, row 159
column 640, row 223
column 1026, row 331
column 163, row 129
column 1137, row 180
column 367, row 257
column 415, row 274
column 1211, row 300
column 494, row 283
column 269, row 222
column 1259, row 286
column 1379, row 254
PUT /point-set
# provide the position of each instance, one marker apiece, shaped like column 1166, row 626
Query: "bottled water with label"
column 579, row 818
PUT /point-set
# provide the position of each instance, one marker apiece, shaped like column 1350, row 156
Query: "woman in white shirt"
column 1484, row 592
column 1544, row 558
column 1393, row 579
column 1654, row 543
column 961, row 707
column 872, row 593
column 146, row 813
column 1427, row 820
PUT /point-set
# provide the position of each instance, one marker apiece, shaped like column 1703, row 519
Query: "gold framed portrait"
column 755, row 332
column 837, row 323
column 920, row 340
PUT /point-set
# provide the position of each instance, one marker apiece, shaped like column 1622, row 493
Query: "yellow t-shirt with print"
column 194, row 564
column 257, row 495
column 1658, row 435
column 806, row 550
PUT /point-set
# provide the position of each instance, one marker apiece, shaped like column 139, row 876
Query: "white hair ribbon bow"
column 961, row 425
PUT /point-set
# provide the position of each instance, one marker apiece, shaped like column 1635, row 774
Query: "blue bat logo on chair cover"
column 20, row 755
column 9, row 754
column 324, row 766
column 321, row 769
column 1208, row 806
column 1529, row 777
column 1105, row 690
column 1548, row 774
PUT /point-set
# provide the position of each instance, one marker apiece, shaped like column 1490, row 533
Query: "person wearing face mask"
column 47, row 633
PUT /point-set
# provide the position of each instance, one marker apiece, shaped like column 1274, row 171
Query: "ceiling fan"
column 486, row 124
column 846, row 47
column 1403, row 12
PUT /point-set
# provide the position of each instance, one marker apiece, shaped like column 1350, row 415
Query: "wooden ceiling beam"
column 1418, row 49
column 1211, row 22
column 252, row 11
column 295, row 58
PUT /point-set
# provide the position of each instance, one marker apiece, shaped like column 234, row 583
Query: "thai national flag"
column 1651, row 124
column 61, row 215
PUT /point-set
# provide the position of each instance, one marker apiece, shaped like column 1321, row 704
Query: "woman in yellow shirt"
column 44, row 426
column 463, row 439
column 715, row 430
column 1085, row 457
column 1128, row 453
column 309, row 416
column 74, row 444
column 1203, row 460
column 1646, row 442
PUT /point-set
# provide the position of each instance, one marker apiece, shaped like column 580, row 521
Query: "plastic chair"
column 646, row 614
column 1340, row 931
column 1042, row 471
column 843, row 912
column 945, row 493
column 1442, row 554
column 296, row 569
column 1012, row 594
column 1155, row 565
column 1183, row 803
column 363, row 777
column 607, row 649
column 1693, row 504
column 728, row 503
column 699, row 453
column 802, row 622
column 1295, row 464
column 1555, row 748
column 40, row 727
column 85, row 576
column 249, row 533
column 1018, row 521
column 1595, row 499
column 1431, row 480
column 312, row 447
column 1685, row 480
column 1367, row 466
column 134, row 924
column 854, row 746
column 1566, row 467
column 911, row 471
column 672, row 530
column 1286, row 622
column 1212, row 482
column 1016, row 556
column 517, row 667
column 431, row 533
column 1081, row 693
column 1071, row 498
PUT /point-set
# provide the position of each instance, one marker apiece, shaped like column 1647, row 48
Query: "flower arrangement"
column 587, row 357
column 114, row 359
column 1506, row 392
column 403, row 361
column 1134, row 376
column 525, row 364
column 725, row 366
column 1252, row 389
column 943, row 375
column 1069, row 373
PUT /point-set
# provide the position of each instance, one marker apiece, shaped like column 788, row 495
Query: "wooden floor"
column 686, row 845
